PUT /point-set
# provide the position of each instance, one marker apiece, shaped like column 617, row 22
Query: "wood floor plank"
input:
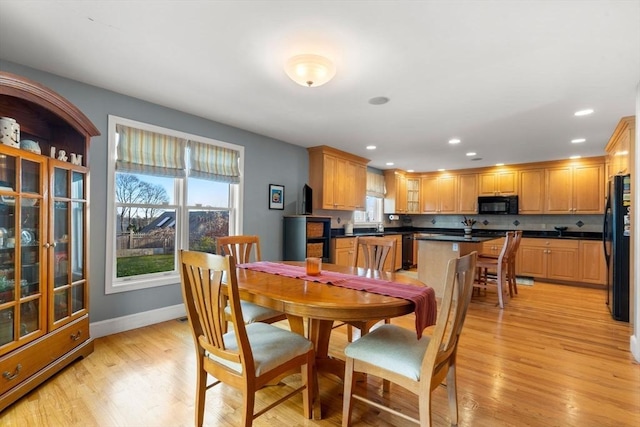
column 552, row 357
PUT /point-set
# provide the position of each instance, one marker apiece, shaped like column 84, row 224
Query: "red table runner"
column 423, row 297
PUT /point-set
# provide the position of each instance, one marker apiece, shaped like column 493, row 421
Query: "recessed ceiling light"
column 499, row 164
column 379, row 100
column 584, row 112
column 471, row 153
column 441, row 170
column 454, row 141
column 389, row 163
column 574, row 157
column 371, row 147
column 578, row 140
column 410, row 170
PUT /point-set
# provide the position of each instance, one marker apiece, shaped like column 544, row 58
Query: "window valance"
column 375, row 185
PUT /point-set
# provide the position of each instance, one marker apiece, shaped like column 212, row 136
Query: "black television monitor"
column 307, row 197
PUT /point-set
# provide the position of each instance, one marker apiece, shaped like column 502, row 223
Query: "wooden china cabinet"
column 44, row 206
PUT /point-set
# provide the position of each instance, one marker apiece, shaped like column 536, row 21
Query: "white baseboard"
column 134, row 321
column 634, row 343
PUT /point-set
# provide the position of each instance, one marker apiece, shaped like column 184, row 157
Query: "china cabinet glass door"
column 22, row 290
column 67, row 243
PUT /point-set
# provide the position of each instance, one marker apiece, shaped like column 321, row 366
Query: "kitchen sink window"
column 375, row 196
column 168, row 190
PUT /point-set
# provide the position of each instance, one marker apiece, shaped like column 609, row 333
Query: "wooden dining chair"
column 498, row 265
column 511, row 261
column 395, row 354
column 246, row 249
column 249, row 356
column 372, row 252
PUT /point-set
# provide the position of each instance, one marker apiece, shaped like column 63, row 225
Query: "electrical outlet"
column 455, row 247
column 543, row 226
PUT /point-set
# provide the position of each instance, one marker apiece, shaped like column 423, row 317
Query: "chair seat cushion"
column 393, row 348
column 271, row 346
column 254, row 313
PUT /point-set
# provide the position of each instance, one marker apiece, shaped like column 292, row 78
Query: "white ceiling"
column 503, row 76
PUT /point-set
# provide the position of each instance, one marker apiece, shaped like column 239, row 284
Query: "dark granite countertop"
column 485, row 234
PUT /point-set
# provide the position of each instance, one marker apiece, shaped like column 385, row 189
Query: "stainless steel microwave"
column 498, row 205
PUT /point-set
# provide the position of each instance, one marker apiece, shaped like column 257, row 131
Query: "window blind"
column 375, row 185
column 214, row 163
column 142, row 151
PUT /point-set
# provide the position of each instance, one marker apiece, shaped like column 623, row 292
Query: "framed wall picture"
column 276, row 196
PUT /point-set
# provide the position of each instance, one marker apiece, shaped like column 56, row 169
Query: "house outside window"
column 168, row 190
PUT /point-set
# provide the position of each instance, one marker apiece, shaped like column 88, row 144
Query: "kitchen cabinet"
column 306, row 236
column 531, row 191
column 553, row 259
column 498, row 183
column 467, row 193
column 338, row 179
column 413, row 195
column 619, row 147
column 44, row 205
column 575, row 188
column 492, row 247
column 439, row 194
column 593, row 267
column 343, row 251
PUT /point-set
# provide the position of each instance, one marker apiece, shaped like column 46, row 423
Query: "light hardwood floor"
column 552, row 357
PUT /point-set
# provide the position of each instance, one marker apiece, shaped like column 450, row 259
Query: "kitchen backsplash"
column 583, row 223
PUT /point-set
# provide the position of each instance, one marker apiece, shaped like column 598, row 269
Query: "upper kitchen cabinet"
column 531, row 191
column 468, row 193
column 501, row 182
column 338, row 179
column 413, row 195
column 619, row 147
column 395, row 200
column 439, row 194
column 577, row 187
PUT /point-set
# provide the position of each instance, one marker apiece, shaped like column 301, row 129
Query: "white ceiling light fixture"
column 371, row 147
column 471, row 153
column 454, row 141
column 389, row 163
column 310, row 70
column 578, row 140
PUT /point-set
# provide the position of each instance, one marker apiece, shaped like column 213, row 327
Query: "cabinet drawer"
column 550, row 243
column 36, row 355
column 345, row 243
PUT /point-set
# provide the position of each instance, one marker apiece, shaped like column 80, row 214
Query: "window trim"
column 146, row 281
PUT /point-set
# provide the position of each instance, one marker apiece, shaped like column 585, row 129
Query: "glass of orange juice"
column 314, row 265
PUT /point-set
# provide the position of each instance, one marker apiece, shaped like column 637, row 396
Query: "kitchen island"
column 435, row 251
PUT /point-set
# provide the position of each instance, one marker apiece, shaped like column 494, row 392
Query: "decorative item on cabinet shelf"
column 30, row 145
column 9, row 132
column 73, row 158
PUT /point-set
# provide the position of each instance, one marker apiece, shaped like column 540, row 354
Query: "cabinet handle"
column 76, row 337
column 50, row 245
column 10, row 376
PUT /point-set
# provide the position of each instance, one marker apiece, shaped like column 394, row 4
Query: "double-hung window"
column 167, row 191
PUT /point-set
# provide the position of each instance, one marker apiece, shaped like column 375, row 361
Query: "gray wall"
column 266, row 161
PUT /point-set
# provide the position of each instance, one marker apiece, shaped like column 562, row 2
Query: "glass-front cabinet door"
column 67, row 266
column 23, row 294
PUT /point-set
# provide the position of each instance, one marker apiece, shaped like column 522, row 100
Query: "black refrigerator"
column 616, row 236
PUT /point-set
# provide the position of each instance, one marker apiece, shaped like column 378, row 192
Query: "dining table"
column 321, row 304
